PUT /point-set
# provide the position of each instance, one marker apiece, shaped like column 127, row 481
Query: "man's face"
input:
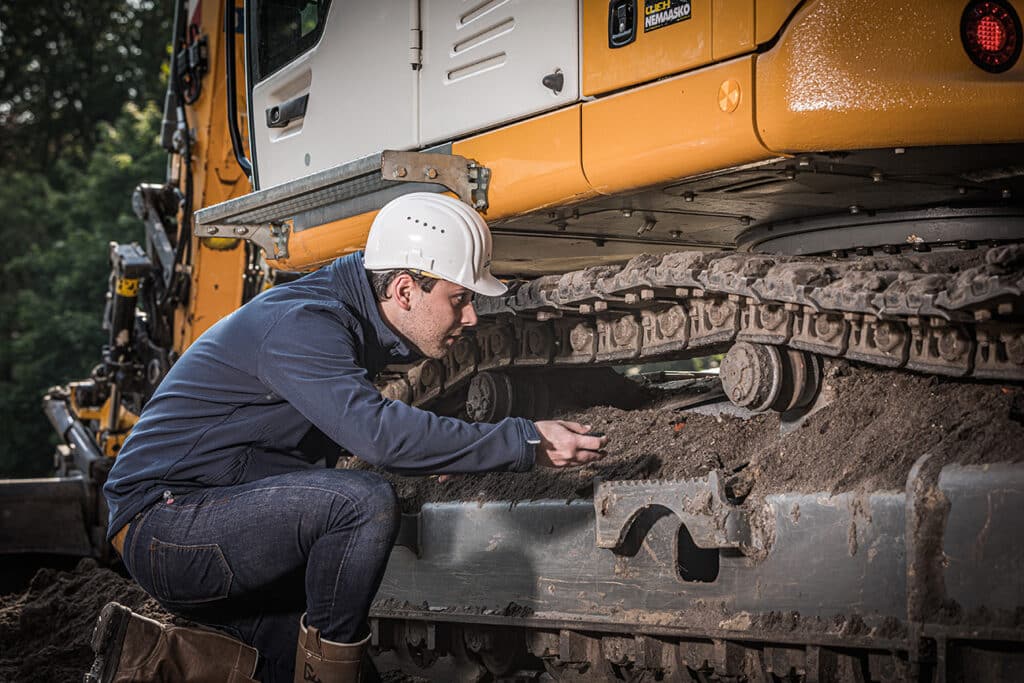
column 436, row 318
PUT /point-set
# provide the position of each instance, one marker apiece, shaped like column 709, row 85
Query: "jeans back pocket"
column 189, row 574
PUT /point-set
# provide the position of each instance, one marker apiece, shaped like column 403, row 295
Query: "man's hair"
column 380, row 280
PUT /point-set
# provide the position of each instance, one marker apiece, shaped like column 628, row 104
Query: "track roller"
column 763, row 377
column 495, row 394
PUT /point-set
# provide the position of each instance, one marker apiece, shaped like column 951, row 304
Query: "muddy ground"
column 45, row 628
column 877, row 424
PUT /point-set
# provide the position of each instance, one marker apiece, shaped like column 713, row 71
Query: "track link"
column 953, row 313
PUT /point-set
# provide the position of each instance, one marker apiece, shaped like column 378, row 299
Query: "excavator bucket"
column 45, row 515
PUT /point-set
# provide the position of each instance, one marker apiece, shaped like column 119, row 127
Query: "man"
column 219, row 502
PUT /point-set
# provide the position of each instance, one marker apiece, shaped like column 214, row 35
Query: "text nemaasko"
column 659, row 13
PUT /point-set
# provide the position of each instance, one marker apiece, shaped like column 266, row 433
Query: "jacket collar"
column 351, row 278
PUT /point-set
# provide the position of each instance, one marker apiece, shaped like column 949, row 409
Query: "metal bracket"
column 271, row 237
column 700, row 504
column 267, row 217
column 463, row 176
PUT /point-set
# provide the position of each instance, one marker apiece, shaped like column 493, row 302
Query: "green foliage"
column 66, row 66
column 78, row 128
column 55, row 273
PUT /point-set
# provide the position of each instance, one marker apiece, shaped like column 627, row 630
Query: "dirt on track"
column 877, row 424
column 873, row 425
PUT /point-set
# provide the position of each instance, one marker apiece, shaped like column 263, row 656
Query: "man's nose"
column 468, row 315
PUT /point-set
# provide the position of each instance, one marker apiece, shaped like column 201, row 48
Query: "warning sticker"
column 659, row 13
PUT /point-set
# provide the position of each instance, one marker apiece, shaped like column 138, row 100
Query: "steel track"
column 958, row 313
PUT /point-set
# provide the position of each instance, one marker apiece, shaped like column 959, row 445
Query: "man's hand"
column 564, row 444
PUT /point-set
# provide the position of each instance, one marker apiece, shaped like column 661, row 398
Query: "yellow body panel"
column 534, row 164
column 315, row 247
column 882, row 74
column 672, row 129
column 217, row 282
column 732, row 24
column 721, row 30
column 654, row 54
column 769, row 16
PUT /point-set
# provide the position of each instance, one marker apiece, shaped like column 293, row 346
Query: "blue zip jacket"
column 285, row 381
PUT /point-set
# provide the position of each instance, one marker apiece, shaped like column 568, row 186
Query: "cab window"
column 284, row 29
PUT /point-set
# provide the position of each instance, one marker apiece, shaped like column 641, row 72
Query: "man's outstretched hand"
column 565, row 444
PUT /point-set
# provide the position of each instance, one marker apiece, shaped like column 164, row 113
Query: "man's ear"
column 402, row 289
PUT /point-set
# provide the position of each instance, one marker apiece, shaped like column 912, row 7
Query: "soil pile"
column 873, row 425
column 45, row 630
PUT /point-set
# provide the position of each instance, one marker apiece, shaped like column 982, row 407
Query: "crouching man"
column 220, row 505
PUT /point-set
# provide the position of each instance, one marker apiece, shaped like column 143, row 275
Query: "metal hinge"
column 416, row 49
column 415, row 36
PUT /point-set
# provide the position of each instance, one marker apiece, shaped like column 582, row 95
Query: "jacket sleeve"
column 309, row 358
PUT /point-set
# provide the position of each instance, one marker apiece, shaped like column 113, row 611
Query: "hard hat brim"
column 488, row 285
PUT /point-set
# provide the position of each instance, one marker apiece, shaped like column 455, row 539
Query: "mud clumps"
column 874, row 424
column 45, row 629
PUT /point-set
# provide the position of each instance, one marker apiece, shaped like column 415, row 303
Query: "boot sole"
column 106, row 642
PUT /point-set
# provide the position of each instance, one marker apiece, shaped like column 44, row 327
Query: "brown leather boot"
column 131, row 648
column 321, row 661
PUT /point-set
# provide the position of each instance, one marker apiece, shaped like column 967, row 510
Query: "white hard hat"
column 437, row 234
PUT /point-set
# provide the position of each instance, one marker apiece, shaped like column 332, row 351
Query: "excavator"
column 785, row 182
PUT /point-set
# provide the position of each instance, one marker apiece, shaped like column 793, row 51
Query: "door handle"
column 622, row 22
column 280, row 115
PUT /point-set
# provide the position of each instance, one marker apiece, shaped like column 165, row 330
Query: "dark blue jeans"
column 250, row 559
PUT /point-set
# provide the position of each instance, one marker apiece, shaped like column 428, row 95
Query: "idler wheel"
column 762, row 377
column 752, row 375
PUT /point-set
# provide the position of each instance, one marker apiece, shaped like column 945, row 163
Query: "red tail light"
column 991, row 34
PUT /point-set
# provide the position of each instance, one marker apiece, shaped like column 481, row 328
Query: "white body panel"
column 483, row 62
column 362, row 94
column 482, row 66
